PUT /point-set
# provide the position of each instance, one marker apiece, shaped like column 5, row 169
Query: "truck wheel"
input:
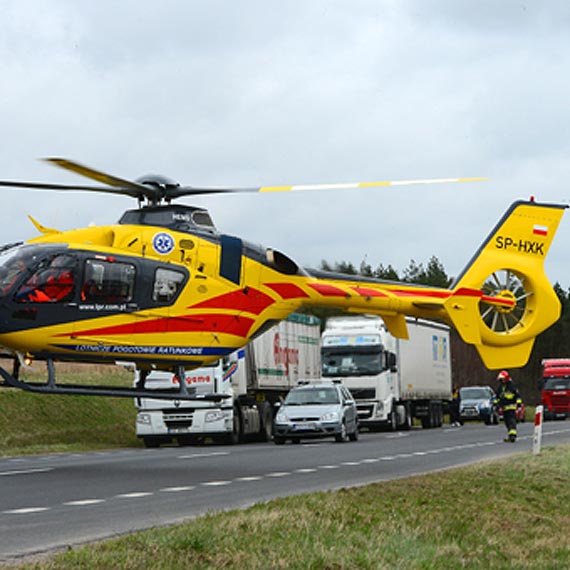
column 237, row 433
column 427, row 420
column 340, row 437
column 266, row 431
column 407, row 425
column 439, row 415
column 151, row 442
column 393, row 420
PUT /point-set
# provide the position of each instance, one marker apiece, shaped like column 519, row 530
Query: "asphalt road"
column 53, row 501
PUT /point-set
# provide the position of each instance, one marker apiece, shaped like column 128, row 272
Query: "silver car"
column 315, row 411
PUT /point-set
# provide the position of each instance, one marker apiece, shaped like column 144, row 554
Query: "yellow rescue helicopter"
column 164, row 289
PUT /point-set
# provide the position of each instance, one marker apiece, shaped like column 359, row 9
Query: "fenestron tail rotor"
column 504, row 284
column 156, row 189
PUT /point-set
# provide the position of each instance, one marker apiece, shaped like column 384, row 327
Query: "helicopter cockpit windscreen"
column 16, row 261
column 343, row 358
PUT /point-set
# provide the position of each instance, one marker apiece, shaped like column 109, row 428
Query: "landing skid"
column 51, row 387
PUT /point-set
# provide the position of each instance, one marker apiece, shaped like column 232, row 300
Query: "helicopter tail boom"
column 500, row 302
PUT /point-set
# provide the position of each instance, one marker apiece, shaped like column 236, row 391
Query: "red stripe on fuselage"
column 287, row 290
column 421, row 293
column 249, row 300
column 227, row 324
column 327, row 290
column 366, row 292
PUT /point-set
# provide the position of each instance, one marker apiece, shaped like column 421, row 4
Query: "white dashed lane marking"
column 84, row 502
column 198, row 455
column 252, row 478
column 26, row 511
column 25, row 471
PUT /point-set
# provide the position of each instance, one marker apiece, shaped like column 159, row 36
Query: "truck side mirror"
column 391, row 362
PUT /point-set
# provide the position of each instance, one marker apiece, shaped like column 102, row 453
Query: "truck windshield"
column 312, row 396
column 557, row 384
column 352, row 361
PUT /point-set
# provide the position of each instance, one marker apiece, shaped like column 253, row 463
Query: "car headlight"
column 143, row 419
column 281, row 418
column 214, row 416
column 484, row 406
column 329, row 417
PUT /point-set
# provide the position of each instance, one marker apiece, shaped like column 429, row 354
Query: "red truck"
column 555, row 388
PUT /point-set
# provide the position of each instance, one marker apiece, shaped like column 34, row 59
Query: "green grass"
column 507, row 514
column 33, row 423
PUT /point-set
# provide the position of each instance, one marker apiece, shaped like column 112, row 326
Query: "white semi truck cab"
column 392, row 380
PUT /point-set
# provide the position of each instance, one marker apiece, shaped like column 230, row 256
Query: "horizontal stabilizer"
column 396, row 325
column 498, row 357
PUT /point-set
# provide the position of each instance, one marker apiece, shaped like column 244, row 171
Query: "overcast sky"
column 270, row 92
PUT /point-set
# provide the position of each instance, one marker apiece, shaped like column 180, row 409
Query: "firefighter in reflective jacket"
column 508, row 398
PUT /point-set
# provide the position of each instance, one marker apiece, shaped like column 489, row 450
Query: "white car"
column 314, row 411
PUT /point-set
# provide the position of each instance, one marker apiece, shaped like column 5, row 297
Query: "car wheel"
column 354, row 435
column 278, row 440
column 340, row 437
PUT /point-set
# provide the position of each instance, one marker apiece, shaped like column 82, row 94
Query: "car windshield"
column 557, row 384
column 474, row 394
column 307, row 396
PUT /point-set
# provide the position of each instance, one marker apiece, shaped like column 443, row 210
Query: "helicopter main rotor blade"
column 48, row 186
column 89, row 172
column 188, row 190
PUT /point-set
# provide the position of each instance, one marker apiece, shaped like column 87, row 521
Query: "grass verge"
column 33, row 423
column 506, row 514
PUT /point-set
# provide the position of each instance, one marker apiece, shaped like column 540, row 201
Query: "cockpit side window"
column 106, row 281
column 167, row 283
column 53, row 281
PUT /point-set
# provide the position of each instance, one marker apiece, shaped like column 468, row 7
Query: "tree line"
column 467, row 367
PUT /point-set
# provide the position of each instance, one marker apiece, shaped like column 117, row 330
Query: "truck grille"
column 174, row 419
column 364, row 411
column 560, row 401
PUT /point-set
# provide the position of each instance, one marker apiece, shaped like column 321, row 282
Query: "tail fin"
column 502, row 300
